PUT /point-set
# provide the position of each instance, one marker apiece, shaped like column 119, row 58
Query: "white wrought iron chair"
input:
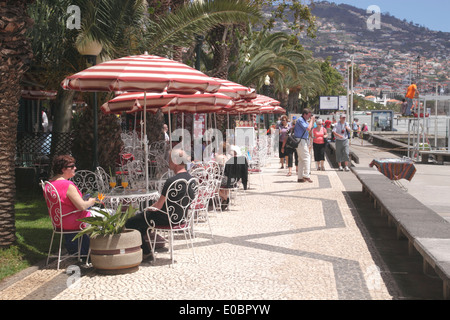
column 180, row 196
column 158, row 158
column 55, row 211
column 205, row 194
column 215, row 173
column 136, row 174
column 158, row 183
column 103, row 180
column 85, row 180
column 255, row 164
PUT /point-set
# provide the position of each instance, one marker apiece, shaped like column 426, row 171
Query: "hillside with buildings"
column 387, row 56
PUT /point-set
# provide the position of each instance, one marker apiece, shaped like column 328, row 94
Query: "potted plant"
column 113, row 248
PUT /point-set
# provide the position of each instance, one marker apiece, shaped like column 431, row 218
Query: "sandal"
column 289, row 174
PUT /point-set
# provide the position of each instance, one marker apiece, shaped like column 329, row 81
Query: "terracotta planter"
column 117, row 253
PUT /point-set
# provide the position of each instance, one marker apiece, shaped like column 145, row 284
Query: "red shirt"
column 318, row 135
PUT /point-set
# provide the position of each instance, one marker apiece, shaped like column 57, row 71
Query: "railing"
column 35, row 150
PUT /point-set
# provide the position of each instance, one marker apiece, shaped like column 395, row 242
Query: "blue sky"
column 433, row 14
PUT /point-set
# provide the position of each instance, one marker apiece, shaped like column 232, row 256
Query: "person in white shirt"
column 44, row 121
column 166, row 135
column 341, row 132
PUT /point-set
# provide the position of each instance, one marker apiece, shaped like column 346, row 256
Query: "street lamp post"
column 90, row 51
column 348, row 88
column 351, row 95
column 266, row 92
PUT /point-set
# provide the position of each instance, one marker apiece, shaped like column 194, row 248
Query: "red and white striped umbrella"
column 192, row 103
column 235, row 90
column 36, row 94
column 140, row 73
column 272, row 109
column 253, row 106
column 199, row 103
column 131, row 102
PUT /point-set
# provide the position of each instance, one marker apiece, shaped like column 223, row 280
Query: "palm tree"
column 116, row 25
column 195, row 18
column 292, row 69
column 14, row 57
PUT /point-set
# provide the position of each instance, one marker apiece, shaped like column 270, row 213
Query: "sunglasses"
column 71, row 166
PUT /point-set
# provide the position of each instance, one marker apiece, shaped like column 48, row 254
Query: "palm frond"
column 180, row 27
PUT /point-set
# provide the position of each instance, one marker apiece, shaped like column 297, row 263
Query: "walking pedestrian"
column 342, row 132
column 283, row 128
column 356, row 128
column 301, row 130
column 291, row 153
column 319, row 135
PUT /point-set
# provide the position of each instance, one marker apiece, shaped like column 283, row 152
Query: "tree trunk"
column 221, row 51
column 63, row 111
column 15, row 53
column 293, row 101
column 62, row 123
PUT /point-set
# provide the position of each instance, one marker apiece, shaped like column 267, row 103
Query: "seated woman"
column 236, row 168
column 63, row 168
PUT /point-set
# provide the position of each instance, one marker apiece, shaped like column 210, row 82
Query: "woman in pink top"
column 319, row 136
column 63, row 168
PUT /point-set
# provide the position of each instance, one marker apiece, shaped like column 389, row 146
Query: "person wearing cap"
column 341, row 132
column 301, row 131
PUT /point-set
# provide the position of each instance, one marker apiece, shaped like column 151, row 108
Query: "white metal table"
column 134, row 198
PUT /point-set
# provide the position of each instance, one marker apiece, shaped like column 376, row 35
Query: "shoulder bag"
column 325, row 140
column 292, row 141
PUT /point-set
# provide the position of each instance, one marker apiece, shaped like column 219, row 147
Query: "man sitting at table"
column 177, row 162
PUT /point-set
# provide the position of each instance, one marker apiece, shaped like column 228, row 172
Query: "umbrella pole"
column 134, row 131
column 145, row 143
column 170, row 130
column 141, row 129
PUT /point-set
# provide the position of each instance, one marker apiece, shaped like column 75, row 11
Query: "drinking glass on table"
column 124, row 182
column 112, row 182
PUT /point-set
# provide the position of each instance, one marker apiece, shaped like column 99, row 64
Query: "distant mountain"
column 345, row 25
column 387, row 56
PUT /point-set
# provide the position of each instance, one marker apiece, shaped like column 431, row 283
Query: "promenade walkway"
column 282, row 240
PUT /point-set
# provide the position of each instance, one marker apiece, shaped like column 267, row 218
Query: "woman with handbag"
column 284, row 129
column 290, row 152
column 319, row 138
column 342, row 133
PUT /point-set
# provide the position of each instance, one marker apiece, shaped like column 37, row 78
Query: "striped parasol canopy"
column 36, row 94
column 191, row 103
column 131, row 102
column 253, row 106
column 272, row 109
column 235, row 90
column 140, row 73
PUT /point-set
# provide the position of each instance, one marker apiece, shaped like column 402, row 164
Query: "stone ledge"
column 425, row 230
